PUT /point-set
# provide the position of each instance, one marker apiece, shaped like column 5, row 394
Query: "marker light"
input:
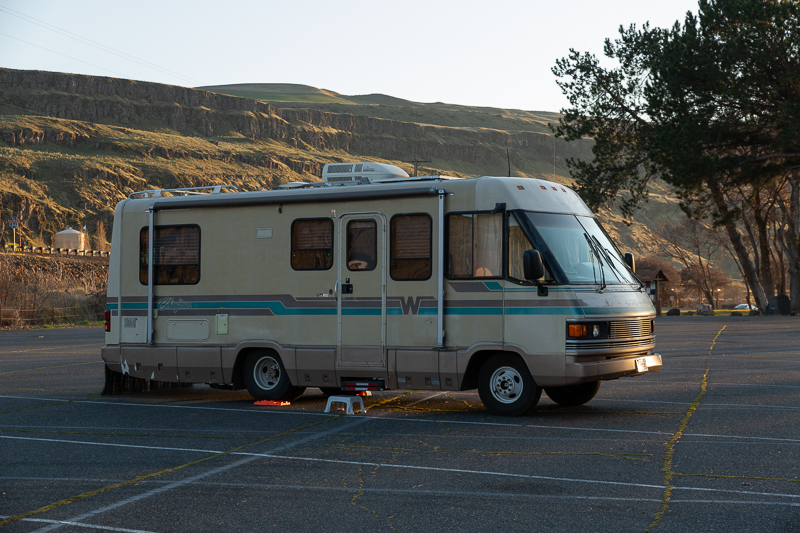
column 577, row 330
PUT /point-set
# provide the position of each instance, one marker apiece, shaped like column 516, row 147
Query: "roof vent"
column 358, row 173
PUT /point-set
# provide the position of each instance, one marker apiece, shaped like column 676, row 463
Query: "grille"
column 600, row 345
column 625, row 329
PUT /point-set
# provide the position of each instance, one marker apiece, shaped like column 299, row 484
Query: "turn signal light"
column 577, row 330
column 107, row 316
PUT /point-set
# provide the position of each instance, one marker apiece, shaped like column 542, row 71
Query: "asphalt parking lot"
column 708, row 444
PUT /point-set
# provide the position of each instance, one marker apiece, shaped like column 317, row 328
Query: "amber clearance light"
column 577, row 330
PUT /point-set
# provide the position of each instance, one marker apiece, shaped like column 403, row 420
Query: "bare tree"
column 100, row 239
column 708, row 283
column 696, row 247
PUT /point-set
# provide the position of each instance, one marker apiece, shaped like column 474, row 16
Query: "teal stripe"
column 279, row 309
column 422, row 311
column 473, row 311
column 134, row 306
column 361, row 312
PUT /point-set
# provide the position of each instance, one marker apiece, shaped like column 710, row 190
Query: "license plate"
column 641, row 365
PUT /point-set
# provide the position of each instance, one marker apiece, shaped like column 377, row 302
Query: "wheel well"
column 470, row 380
column 241, row 359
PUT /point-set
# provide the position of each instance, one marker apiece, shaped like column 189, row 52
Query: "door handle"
column 336, row 290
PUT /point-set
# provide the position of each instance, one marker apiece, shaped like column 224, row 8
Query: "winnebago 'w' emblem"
column 412, row 303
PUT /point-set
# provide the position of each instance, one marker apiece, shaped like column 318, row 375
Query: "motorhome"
column 374, row 280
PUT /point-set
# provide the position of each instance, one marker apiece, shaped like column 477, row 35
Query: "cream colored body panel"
column 248, row 296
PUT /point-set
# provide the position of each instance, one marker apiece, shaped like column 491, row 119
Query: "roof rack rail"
column 182, row 191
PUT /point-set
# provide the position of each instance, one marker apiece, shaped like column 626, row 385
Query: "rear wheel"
column 573, row 395
column 266, row 378
column 506, row 387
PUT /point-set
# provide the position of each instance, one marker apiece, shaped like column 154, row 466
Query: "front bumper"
column 581, row 369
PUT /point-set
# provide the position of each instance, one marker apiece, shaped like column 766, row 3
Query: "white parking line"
column 426, row 399
column 201, row 475
column 250, row 456
column 79, row 524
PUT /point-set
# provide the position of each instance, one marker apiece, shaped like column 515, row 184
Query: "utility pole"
column 416, row 161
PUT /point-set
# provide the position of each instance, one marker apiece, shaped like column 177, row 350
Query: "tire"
column 506, row 387
column 573, row 395
column 266, row 378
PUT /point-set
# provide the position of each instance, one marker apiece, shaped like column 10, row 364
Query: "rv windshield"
column 581, row 249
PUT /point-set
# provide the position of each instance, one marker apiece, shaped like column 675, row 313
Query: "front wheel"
column 573, row 395
column 266, row 379
column 506, row 387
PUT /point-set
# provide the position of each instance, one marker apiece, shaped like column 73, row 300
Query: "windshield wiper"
column 595, row 250
column 610, row 259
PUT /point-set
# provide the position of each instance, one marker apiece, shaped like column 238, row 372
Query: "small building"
column 652, row 277
column 70, row 239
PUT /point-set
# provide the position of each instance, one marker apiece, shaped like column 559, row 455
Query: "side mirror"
column 630, row 261
column 532, row 265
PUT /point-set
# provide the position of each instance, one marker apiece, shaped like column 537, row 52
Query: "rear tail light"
column 108, row 320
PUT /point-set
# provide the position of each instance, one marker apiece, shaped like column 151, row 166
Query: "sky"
column 493, row 53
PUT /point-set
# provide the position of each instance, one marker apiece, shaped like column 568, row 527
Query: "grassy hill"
column 278, row 92
column 389, row 107
column 73, row 146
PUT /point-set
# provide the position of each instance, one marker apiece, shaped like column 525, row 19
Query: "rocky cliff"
column 72, row 146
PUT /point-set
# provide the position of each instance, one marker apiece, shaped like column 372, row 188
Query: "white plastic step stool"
column 348, row 400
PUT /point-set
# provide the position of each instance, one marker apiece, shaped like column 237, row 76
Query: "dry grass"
column 38, row 290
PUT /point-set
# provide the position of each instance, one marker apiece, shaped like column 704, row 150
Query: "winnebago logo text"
column 412, row 304
column 171, row 304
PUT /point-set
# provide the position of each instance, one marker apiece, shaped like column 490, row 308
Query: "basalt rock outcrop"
column 72, row 146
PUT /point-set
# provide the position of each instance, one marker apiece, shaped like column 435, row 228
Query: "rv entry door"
column 361, row 290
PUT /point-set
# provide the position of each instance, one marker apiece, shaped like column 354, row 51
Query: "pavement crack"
column 673, row 441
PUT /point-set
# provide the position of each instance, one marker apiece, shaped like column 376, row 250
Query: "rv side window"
column 475, row 245
column 176, row 251
column 518, row 244
column 362, row 247
column 312, row 244
column 411, row 247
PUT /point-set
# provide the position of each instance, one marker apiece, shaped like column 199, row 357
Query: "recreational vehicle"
column 374, row 280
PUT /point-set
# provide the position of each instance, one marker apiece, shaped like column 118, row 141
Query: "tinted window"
column 312, row 244
column 362, row 247
column 176, row 250
column 475, row 245
column 411, row 247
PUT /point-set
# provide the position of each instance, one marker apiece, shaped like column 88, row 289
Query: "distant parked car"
column 746, row 307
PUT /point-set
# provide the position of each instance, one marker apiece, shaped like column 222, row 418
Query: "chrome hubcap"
column 506, row 384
